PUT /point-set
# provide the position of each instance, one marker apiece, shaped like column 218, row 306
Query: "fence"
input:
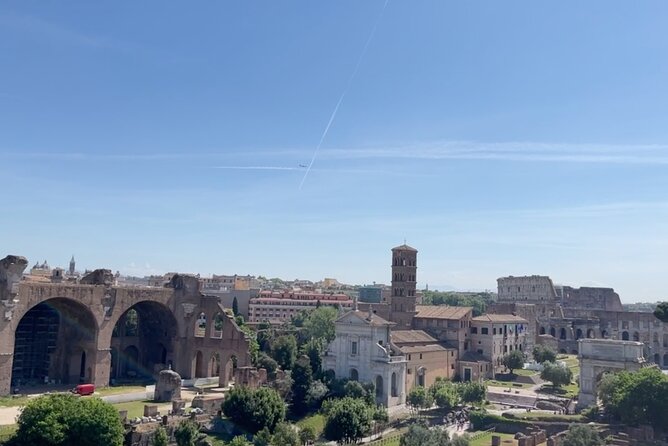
column 482, row 433
column 388, row 439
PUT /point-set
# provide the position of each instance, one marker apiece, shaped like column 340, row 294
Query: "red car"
column 84, row 389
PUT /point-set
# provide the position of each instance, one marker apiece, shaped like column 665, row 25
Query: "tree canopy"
column 557, row 374
column 636, row 397
column 542, row 353
column 284, row 351
column 478, row 301
column 419, row 398
column 420, row 435
column 55, row 420
column 661, row 311
column 254, row 409
column 514, row 360
column 348, row 420
column 582, row 435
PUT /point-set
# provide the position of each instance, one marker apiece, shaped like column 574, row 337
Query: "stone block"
column 151, row 410
column 496, row 440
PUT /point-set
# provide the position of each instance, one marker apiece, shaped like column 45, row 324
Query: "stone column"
column 101, row 367
column 6, row 362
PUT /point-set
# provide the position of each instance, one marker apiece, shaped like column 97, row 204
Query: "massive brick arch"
column 103, row 305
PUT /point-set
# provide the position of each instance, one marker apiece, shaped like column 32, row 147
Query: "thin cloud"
column 512, row 151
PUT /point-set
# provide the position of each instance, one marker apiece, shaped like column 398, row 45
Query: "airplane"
column 303, row 165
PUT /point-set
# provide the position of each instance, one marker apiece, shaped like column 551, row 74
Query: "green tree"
column 285, row 435
column 307, row 435
column 55, row 420
column 419, row 398
column 661, row 311
column 514, row 360
column 316, row 393
column 265, row 334
column 420, row 435
column 557, row 374
column 302, row 379
column 636, row 397
column 582, row 435
column 348, row 420
column 254, row 347
column 446, row 396
column 320, row 324
column 240, row 440
column 542, row 353
column 266, row 362
column 284, row 351
column 262, row 438
column 235, row 306
column 160, row 437
column 186, row 433
column 472, row 392
column 313, row 349
column 254, row 409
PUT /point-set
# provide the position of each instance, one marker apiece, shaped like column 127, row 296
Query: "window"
column 480, row 351
column 494, row 330
column 474, row 330
column 354, row 348
column 484, row 330
column 420, row 355
column 505, row 349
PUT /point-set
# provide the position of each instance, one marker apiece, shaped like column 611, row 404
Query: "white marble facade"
column 362, row 350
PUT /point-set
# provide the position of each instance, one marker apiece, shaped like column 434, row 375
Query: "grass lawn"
column 120, row 389
column 6, row 432
column 568, row 391
column 391, row 439
column 486, row 440
column 525, row 372
column 8, row 401
column 136, row 408
column 316, row 421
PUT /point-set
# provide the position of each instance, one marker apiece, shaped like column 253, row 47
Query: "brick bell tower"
column 404, row 299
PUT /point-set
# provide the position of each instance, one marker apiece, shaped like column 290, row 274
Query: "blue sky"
column 498, row 138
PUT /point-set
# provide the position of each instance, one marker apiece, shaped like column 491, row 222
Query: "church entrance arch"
column 55, row 342
column 598, row 356
column 143, row 342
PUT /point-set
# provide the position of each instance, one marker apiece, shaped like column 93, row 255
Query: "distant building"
column 370, row 294
column 278, row 307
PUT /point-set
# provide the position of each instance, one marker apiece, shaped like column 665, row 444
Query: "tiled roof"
column 500, row 318
column 411, row 336
column 422, row 348
column 374, row 319
column 441, row 312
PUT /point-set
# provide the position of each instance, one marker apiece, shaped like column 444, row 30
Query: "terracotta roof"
column 411, row 336
column 441, row 312
column 500, row 318
column 404, row 247
column 423, row 348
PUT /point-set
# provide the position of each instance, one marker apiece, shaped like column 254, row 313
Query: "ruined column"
column 11, row 271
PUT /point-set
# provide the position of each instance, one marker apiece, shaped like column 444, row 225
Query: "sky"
column 305, row 139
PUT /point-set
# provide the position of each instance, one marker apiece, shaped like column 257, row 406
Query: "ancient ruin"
column 90, row 330
column 598, row 356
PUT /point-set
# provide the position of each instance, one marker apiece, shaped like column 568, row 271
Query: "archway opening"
column 142, row 343
column 625, row 336
column 354, row 375
column 657, row 359
column 578, row 333
column 542, row 330
column 200, row 326
column 379, row 386
column 393, row 385
column 217, row 329
column 214, row 365
column 53, row 344
column 590, row 334
column 553, row 332
column 636, row 336
column 665, row 360
column 562, row 333
column 200, row 367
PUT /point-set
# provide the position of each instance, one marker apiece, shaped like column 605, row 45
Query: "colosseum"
column 561, row 315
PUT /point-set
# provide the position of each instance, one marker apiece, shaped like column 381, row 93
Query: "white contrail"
column 345, row 91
